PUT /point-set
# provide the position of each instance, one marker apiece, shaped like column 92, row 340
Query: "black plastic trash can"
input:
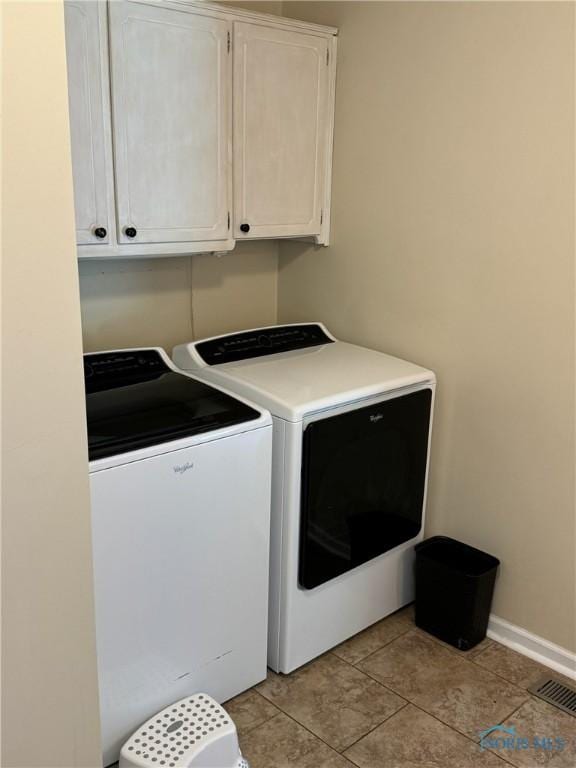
column 454, row 588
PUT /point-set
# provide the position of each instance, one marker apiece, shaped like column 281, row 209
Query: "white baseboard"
column 543, row 651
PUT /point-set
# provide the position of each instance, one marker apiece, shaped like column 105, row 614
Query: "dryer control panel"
column 261, row 342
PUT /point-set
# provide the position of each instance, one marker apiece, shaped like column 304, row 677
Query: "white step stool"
column 195, row 732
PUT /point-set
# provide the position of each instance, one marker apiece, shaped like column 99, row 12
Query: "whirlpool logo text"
column 181, row 468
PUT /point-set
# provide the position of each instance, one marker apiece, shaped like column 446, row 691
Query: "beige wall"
column 163, row 302
column 453, row 245
column 237, row 290
column 49, row 685
column 261, row 6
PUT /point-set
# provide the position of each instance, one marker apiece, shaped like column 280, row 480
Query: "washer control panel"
column 105, row 368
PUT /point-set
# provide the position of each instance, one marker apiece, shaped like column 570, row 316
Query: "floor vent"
column 556, row 693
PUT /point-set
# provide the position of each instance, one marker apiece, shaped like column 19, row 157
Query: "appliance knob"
column 244, row 227
column 100, row 232
column 130, row 232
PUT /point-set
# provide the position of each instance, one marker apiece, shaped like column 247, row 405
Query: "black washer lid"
column 135, row 400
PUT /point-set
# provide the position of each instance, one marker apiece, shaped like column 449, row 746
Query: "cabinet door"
column 171, row 77
column 89, row 110
column 280, row 131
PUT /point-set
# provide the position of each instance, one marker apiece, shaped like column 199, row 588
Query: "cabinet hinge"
column 327, row 56
column 228, row 219
column 229, row 42
column 321, row 216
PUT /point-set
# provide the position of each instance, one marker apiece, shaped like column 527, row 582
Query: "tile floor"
column 395, row 697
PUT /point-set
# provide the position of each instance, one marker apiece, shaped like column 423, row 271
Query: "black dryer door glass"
column 363, row 478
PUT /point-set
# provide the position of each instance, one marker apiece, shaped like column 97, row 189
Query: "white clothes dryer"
column 351, row 441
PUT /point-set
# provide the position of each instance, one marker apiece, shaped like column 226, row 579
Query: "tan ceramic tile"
column 413, row 739
column 515, row 667
column 376, row 636
column 477, row 650
column 250, row 710
column 282, row 743
column 332, row 699
column 535, row 718
column 456, row 691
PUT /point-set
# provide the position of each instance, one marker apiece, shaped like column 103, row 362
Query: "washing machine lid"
column 298, row 369
column 135, row 399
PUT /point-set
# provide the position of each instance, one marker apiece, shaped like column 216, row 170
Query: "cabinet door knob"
column 130, row 232
column 100, row 232
column 244, row 227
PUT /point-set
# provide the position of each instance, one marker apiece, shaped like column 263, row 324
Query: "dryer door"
column 363, row 481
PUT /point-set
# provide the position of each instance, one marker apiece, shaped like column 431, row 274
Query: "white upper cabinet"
column 281, row 131
column 171, row 74
column 89, row 121
column 194, row 125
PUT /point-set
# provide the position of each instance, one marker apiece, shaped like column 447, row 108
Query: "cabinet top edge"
column 241, row 13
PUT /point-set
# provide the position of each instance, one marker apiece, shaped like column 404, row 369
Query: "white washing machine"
column 350, row 462
column 180, row 489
